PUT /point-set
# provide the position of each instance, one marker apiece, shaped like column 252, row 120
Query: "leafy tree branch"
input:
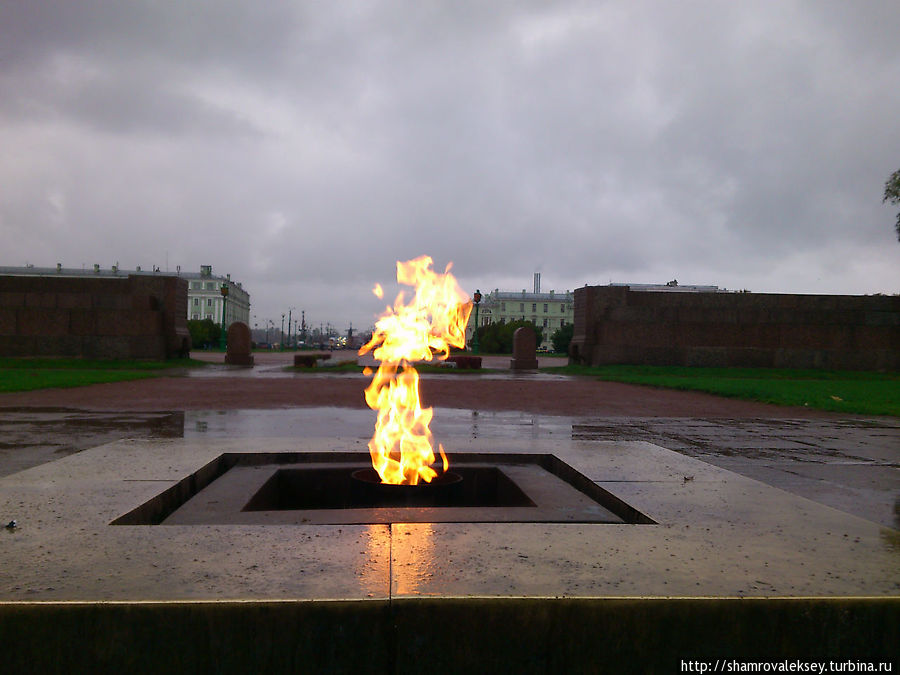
column 892, row 195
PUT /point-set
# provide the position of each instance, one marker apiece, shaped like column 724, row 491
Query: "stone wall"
column 139, row 317
column 618, row 325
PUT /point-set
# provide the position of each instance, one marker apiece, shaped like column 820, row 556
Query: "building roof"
column 526, row 295
column 672, row 288
column 113, row 272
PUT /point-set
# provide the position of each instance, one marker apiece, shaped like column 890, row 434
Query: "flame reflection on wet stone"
column 412, row 557
column 410, row 549
column 373, row 567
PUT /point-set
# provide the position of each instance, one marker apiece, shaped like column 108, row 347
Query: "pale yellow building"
column 549, row 311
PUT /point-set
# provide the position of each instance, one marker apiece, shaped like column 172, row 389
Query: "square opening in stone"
column 317, row 489
column 332, row 488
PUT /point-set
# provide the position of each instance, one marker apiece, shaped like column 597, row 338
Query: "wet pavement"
column 33, row 436
column 712, row 533
column 279, row 365
column 849, row 464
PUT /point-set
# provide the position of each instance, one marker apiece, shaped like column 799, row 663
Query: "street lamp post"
column 290, row 336
column 477, row 299
column 224, row 291
column 281, row 338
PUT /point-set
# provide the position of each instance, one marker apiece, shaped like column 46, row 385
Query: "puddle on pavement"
column 281, row 372
column 343, row 422
column 33, row 436
column 30, row 437
column 279, row 365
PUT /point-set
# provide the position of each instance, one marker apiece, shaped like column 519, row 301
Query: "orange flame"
column 422, row 330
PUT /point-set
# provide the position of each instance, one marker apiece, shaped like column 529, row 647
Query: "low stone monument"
column 239, row 343
column 465, row 361
column 524, row 349
column 309, row 359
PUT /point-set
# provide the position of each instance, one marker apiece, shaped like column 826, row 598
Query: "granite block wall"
column 139, row 317
column 618, row 325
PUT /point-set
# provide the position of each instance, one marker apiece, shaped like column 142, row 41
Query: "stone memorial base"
column 239, row 359
column 723, row 567
column 309, row 359
column 466, row 361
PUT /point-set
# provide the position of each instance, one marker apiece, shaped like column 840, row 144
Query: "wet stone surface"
column 31, row 437
column 716, row 535
column 849, row 464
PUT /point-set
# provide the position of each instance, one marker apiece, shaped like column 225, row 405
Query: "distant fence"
column 141, row 316
column 618, row 325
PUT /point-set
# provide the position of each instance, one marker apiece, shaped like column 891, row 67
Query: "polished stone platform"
column 717, row 534
column 719, row 541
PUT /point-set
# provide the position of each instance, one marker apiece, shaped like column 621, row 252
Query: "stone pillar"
column 238, row 352
column 524, row 349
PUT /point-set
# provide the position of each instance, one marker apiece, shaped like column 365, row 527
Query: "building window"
column 545, row 308
column 196, row 285
column 545, row 321
column 210, row 285
column 502, row 306
column 533, row 306
column 196, row 316
column 196, row 302
column 522, row 307
column 209, row 316
column 209, row 302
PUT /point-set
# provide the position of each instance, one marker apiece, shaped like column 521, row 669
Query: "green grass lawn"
column 866, row 393
column 27, row 374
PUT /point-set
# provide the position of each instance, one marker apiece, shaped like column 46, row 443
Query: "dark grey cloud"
column 304, row 147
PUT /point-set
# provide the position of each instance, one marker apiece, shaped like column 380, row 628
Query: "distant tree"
column 892, row 195
column 497, row 338
column 204, row 333
column 198, row 334
column 562, row 337
column 489, row 337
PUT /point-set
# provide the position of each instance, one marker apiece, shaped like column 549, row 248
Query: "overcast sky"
column 306, row 147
